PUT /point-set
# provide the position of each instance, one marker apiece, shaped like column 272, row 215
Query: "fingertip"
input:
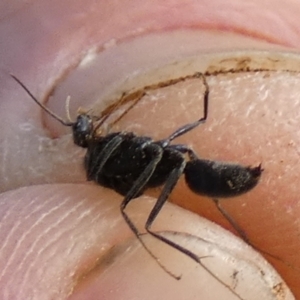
column 71, row 241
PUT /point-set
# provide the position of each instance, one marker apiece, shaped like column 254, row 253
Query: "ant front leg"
column 95, row 160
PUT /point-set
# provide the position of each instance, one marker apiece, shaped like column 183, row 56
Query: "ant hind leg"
column 169, row 186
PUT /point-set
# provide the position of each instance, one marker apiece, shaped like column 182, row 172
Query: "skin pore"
column 54, row 234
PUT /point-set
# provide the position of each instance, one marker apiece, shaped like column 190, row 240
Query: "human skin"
column 40, row 56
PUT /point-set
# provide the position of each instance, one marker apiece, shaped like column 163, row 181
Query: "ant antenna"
column 45, row 108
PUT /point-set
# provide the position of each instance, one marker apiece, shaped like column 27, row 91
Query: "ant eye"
column 82, row 130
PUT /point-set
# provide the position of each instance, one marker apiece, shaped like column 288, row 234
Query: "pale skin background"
column 52, row 214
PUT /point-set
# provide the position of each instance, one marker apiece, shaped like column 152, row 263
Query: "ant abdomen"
column 220, row 180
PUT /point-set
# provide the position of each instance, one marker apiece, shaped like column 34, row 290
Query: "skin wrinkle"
column 15, row 227
column 53, row 226
column 288, row 19
column 52, row 241
column 87, row 212
column 8, row 212
column 4, row 147
column 19, row 242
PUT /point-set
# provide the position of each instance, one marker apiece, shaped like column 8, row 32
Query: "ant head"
column 82, row 130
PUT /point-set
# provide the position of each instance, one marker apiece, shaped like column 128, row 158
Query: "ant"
column 129, row 164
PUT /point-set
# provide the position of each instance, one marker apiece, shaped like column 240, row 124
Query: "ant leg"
column 232, row 222
column 185, row 149
column 244, row 236
column 188, row 127
column 169, row 186
column 137, row 96
column 96, row 165
column 140, row 95
column 142, row 180
column 136, row 188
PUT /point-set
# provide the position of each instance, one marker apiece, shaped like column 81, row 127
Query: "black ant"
column 130, row 164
